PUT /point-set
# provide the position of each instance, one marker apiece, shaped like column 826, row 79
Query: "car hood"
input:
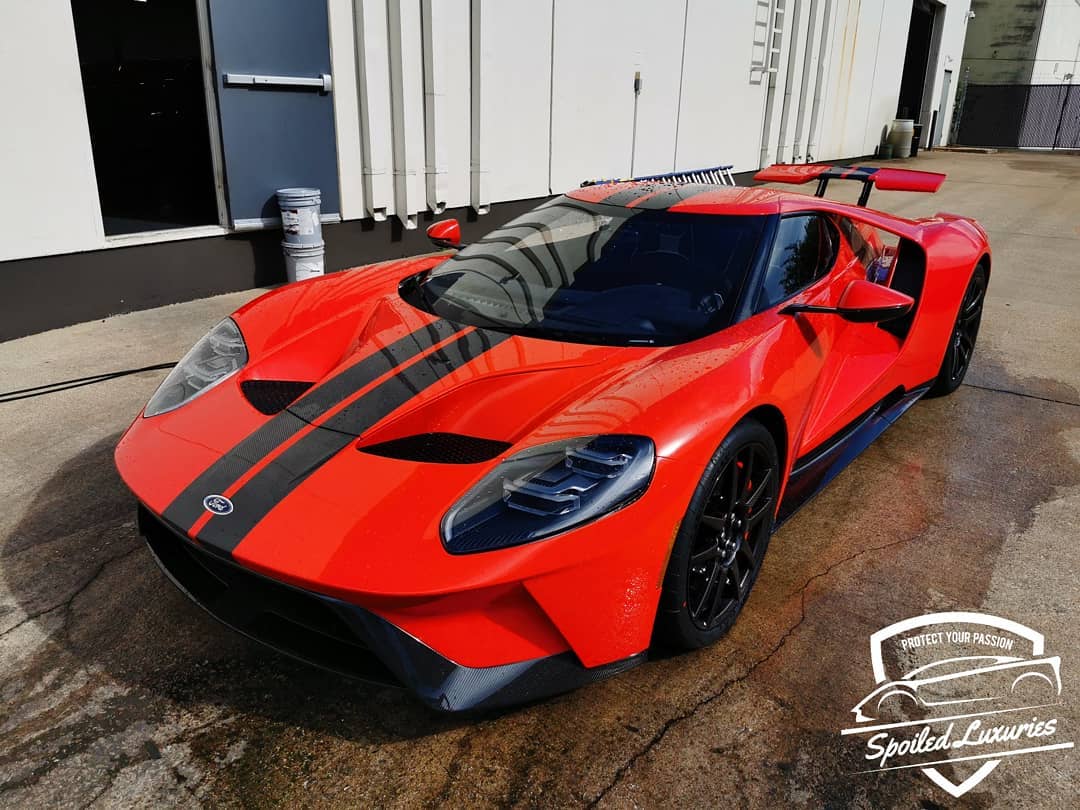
column 477, row 383
column 405, row 372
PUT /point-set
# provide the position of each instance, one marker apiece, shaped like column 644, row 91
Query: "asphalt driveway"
column 116, row 691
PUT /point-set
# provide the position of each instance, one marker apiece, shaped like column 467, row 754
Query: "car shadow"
column 76, row 567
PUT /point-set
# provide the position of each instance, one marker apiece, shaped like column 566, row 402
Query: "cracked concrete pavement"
column 116, row 691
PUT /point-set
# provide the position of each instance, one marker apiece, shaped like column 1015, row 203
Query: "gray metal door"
column 272, row 63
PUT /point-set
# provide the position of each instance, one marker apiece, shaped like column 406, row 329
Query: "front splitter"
column 347, row 639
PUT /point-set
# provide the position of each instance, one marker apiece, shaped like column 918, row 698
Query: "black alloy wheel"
column 722, row 541
column 962, row 339
column 729, row 544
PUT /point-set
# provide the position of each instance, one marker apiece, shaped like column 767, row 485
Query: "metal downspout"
column 815, row 109
column 800, row 113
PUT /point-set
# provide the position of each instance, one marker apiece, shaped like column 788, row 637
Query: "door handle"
column 324, row 83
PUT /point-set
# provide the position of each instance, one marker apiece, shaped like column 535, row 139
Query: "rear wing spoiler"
column 884, row 179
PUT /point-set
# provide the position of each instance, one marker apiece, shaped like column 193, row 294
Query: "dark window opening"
column 803, row 251
column 146, row 107
column 916, row 60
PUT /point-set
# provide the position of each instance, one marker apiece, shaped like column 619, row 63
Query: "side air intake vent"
column 438, row 448
column 272, row 396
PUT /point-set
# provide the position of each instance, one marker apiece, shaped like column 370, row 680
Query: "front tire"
column 961, row 346
column 722, row 540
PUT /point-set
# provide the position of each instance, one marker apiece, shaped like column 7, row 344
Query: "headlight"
column 548, row 489
column 219, row 354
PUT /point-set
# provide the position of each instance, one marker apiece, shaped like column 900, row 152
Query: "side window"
column 874, row 248
column 804, row 250
column 859, row 245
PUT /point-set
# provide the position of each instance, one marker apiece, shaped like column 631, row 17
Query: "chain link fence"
column 1039, row 116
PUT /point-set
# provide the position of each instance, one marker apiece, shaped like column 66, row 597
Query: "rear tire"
column 958, row 353
column 721, row 542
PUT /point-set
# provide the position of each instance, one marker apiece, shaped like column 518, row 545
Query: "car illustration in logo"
column 965, row 680
column 218, row 504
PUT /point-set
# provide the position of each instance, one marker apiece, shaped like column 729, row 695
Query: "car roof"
column 702, row 198
column 709, row 198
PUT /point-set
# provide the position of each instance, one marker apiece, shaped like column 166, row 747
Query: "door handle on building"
column 324, row 83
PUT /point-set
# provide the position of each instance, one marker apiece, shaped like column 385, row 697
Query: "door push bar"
column 323, row 82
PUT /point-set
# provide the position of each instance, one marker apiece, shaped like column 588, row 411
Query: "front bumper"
column 344, row 638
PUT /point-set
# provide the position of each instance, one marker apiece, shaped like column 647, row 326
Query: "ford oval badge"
column 218, row 504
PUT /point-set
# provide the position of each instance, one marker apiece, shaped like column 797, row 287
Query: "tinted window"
column 597, row 274
column 863, row 249
column 804, row 249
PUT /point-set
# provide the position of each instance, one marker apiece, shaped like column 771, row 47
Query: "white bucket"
column 903, row 130
column 300, row 219
column 303, row 261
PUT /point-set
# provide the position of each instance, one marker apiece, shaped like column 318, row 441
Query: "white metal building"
column 436, row 104
column 1057, row 57
column 1032, row 43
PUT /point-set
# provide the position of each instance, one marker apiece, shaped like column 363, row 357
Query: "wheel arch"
column 670, row 625
column 772, row 419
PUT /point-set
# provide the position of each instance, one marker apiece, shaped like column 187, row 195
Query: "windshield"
column 597, row 274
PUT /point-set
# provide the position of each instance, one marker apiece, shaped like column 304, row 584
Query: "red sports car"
column 505, row 472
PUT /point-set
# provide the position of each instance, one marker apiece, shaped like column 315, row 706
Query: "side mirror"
column 445, row 234
column 863, row 302
column 866, row 302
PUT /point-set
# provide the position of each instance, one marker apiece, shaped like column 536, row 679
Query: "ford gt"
column 515, row 467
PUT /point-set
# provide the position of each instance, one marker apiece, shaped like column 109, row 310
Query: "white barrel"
column 303, row 261
column 900, row 135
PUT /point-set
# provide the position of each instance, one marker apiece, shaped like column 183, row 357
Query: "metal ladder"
column 768, row 35
column 717, row 175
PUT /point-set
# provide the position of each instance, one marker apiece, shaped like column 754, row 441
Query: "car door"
column 808, row 264
column 856, row 375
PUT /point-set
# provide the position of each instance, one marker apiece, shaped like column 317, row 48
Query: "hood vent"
column 272, row 396
column 438, row 448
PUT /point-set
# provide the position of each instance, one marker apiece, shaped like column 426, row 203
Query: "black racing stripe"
column 849, row 172
column 526, row 293
column 628, row 195
column 674, row 195
column 188, row 505
column 528, row 252
column 321, row 399
column 273, row 483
